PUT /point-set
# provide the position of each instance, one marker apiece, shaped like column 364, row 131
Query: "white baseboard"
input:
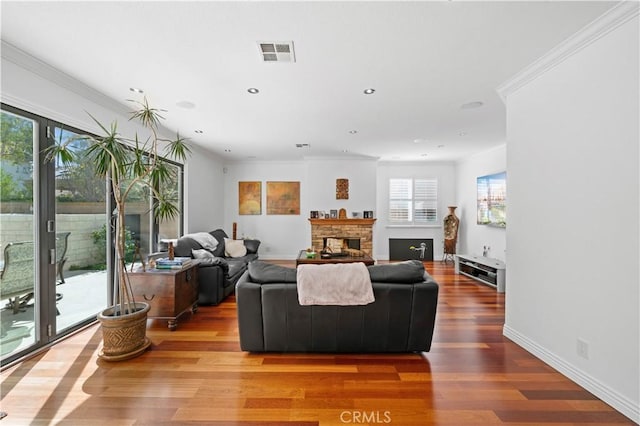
column 599, row 389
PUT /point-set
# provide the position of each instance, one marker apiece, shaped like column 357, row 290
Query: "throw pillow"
column 219, row 235
column 234, row 248
column 410, row 271
column 201, row 254
column 252, row 245
column 264, row 273
column 205, row 239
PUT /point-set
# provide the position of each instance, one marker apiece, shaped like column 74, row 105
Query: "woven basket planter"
column 124, row 336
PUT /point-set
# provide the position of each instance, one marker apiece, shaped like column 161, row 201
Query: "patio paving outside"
column 84, row 295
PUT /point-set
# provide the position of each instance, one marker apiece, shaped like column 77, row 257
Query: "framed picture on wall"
column 333, row 214
column 250, row 198
column 283, row 198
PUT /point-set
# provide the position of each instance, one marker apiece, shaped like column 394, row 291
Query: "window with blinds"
column 413, row 201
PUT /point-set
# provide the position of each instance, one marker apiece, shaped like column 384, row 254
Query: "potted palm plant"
column 128, row 164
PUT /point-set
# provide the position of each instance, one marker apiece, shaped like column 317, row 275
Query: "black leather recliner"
column 401, row 319
column 217, row 275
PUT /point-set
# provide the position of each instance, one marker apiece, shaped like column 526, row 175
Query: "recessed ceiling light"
column 345, row 150
column 136, row 90
column 369, row 91
column 198, row 131
column 462, row 133
column 186, row 105
column 419, row 140
column 472, row 105
column 353, row 132
column 253, row 90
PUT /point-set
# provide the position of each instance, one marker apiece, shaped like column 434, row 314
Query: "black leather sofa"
column 217, row 274
column 401, row 319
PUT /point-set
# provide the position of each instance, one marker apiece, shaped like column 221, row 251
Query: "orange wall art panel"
column 283, row 197
column 250, row 198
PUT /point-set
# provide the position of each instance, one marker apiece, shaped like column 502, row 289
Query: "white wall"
column 471, row 236
column 282, row 236
column 322, row 175
column 573, row 258
column 203, row 192
column 444, row 172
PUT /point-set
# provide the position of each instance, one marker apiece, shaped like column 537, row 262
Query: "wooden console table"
column 169, row 292
column 484, row 269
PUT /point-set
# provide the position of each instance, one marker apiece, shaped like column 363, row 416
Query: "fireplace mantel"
column 331, row 222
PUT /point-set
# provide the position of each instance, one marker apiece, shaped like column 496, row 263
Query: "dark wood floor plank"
column 197, row 375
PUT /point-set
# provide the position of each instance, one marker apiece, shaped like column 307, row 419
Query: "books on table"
column 175, row 263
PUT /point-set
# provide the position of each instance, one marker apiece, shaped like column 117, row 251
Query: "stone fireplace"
column 347, row 229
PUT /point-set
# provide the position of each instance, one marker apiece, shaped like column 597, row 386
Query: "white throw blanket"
column 206, row 240
column 334, row 284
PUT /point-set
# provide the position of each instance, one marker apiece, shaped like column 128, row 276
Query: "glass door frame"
column 44, row 223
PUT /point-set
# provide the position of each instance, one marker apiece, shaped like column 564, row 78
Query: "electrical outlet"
column 582, row 348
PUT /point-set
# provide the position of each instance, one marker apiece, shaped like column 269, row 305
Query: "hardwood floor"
column 198, row 375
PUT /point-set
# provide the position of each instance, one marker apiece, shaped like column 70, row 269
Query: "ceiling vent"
column 303, row 145
column 277, row 51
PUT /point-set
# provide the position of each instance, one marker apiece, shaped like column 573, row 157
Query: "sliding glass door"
column 171, row 229
column 53, row 275
column 18, row 252
column 81, row 235
column 55, row 233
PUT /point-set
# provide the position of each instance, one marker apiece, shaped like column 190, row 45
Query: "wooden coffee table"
column 319, row 260
column 170, row 293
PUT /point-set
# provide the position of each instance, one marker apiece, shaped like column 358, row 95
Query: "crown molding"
column 42, row 69
column 607, row 22
column 350, row 158
column 30, row 63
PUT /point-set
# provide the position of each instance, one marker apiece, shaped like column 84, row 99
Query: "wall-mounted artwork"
column 492, row 200
column 342, row 189
column 283, row 197
column 250, row 198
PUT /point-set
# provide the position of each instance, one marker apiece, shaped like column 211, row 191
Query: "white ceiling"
column 424, row 59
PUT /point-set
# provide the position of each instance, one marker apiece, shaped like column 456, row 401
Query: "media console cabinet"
column 484, row 269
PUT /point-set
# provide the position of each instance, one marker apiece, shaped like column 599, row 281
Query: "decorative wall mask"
column 342, row 189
